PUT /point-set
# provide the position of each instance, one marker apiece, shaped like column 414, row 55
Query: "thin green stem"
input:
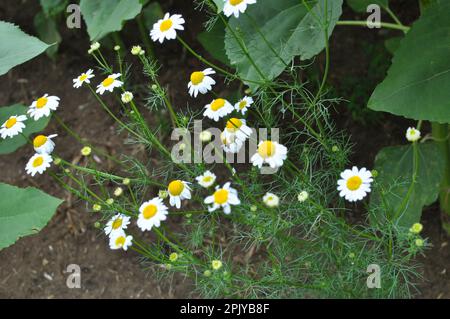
column 382, row 24
column 392, row 15
column 145, row 36
column 115, row 117
column 84, row 141
column 244, row 50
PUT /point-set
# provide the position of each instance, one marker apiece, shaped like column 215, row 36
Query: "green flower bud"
column 173, row 257
column 216, row 264
column 419, row 242
column 416, row 228
column 118, row 191
column 303, row 196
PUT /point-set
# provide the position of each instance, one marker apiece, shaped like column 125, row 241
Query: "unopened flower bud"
column 136, row 50
column 303, row 196
column 118, row 191
column 86, row 151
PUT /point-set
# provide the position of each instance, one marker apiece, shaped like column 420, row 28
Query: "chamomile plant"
column 268, row 218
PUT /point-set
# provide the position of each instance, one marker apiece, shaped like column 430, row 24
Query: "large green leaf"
column 361, row 5
column 23, row 212
column 418, row 82
column 392, row 44
column 103, row 17
column 219, row 4
column 52, row 8
column 9, row 145
column 395, row 167
column 213, row 41
column 47, row 30
column 17, row 47
column 275, row 31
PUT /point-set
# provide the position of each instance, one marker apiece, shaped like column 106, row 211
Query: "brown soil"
column 34, row 267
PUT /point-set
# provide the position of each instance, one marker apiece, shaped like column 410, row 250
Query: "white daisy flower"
column 38, row 164
column 354, row 184
column 116, row 224
column 230, row 143
column 235, row 7
column 120, row 240
column 271, row 200
column 223, row 197
column 238, row 128
column 269, row 152
column 151, row 214
column 207, row 179
column 109, row 84
column 201, row 82
column 43, row 106
column 217, row 109
column 13, row 126
column 412, row 134
column 178, row 190
column 243, row 105
column 43, row 144
column 166, row 28
column 83, row 78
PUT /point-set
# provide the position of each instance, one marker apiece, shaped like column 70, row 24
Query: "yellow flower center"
column 197, row 78
column 166, row 25
column 235, row 2
column 41, row 102
column 217, row 104
column 207, row 179
column 221, row 196
column 234, row 124
column 242, row 104
column 117, row 223
column 353, row 183
column 11, row 122
column 83, row 77
column 150, row 211
column 266, row 149
column 176, row 187
column 39, row 141
column 120, row 241
column 108, row 81
column 38, row 161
